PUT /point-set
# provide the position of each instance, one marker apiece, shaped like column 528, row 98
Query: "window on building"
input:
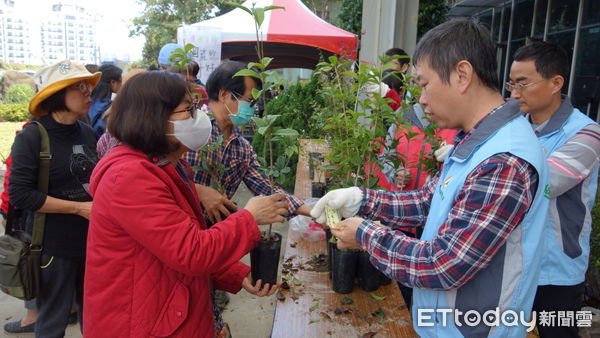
column 591, row 13
column 522, row 20
column 486, row 19
column 566, row 40
column 586, row 82
column 503, row 22
column 563, row 15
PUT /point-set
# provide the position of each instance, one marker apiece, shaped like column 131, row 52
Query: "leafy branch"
column 266, row 125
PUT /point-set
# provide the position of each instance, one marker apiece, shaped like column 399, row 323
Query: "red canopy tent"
column 294, row 37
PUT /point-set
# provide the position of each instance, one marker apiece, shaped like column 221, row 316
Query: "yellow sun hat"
column 52, row 79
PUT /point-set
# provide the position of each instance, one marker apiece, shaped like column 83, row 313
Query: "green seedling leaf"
column 314, row 307
column 296, row 281
column 256, row 93
column 312, row 321
column 233, row 4
column 259, row 15
column 247, row 72
column 270, row 8
column 288, row 277
column 376, row 297
column 286, row 132
column 188, row 47
column 379, row 314
column 316, row 299
column 266, row 61
column 347, row 301
column 333, row 240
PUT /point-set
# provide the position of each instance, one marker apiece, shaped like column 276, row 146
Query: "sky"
column 113, row 25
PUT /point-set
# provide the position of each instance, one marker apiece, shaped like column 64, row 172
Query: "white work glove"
column 347, row 202
column 381, row 88
column 442, row 152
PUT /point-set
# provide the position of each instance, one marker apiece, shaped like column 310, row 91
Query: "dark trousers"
column 558, row 298
column 61, row 280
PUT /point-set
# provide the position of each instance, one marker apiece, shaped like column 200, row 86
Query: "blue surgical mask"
column 244, row 113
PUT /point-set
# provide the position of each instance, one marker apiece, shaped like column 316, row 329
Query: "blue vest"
column 567, row 238
column 510, row 279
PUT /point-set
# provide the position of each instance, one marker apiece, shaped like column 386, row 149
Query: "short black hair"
column 92, row 68
column 393, row 79
column 550, row 59
column 140, row 112
column 192, row 68
column 110, row 73
column 56, row 102
column 399, row 51
column 223, row 78
column 453, row 41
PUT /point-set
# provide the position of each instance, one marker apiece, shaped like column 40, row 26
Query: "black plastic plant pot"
column 383, row 279
column 319, row 189
column 329, row 250
column 264, row 259
column 344, row 270
column 368, row 275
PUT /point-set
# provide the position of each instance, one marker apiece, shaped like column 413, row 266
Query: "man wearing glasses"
column 231, row 105
column 571, row 144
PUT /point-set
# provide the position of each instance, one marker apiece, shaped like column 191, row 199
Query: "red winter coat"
column 150, row 259
column 391, row 94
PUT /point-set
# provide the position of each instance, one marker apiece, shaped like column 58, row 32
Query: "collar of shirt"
column 462, row 137
column 216, row 130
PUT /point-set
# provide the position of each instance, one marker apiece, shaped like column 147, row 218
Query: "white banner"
column 208, row 47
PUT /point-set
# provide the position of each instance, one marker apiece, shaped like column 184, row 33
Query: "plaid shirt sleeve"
column 493, row 201
column 407, row 208
column 200, row 176
column 105, row 144
column 258, row 183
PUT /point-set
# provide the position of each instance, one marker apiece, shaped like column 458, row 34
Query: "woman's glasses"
column 191, row 109
column 84, row 87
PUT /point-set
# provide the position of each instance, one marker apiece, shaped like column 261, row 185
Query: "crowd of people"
column 137, row 243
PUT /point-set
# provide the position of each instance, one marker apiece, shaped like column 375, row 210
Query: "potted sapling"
column 355, row 126
column 264, row 257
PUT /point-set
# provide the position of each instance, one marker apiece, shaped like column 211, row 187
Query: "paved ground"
column 247, row 315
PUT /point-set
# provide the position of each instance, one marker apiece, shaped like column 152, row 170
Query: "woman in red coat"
column 151, row 262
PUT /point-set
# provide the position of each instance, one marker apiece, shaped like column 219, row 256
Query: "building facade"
column 15, row 36
column 67, row 32
column 573, row 24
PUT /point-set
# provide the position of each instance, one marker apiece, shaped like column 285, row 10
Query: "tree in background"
column 431, row 14
column 350, row 17
column 319, row 7
column 160, row 19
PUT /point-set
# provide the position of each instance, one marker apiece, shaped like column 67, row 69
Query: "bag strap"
column 39, row 220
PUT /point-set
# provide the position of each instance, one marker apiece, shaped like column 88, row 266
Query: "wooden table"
column 309, row 309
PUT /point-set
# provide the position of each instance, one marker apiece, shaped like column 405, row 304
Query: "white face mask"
column 193, row 132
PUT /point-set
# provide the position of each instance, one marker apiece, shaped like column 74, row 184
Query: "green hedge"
column 18, row 93
column 14, row 112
